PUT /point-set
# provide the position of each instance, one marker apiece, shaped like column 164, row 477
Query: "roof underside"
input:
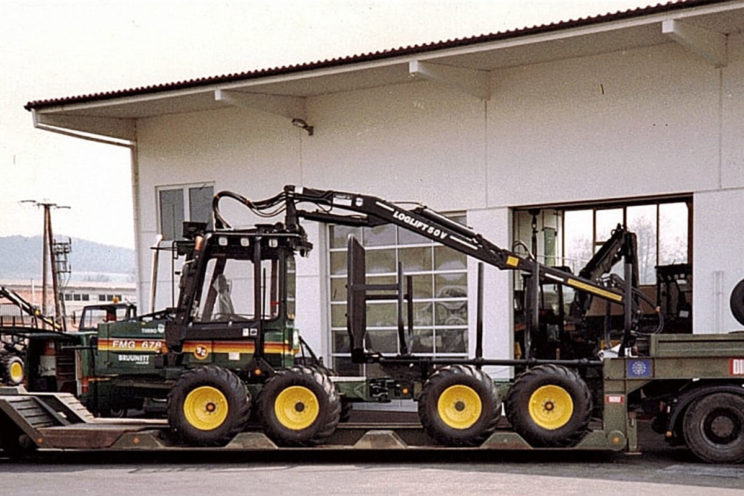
column 107, row 113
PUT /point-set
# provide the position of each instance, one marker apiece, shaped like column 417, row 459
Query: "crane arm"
column 356, row 209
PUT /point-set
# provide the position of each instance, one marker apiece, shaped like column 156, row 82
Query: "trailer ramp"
column 60, row 421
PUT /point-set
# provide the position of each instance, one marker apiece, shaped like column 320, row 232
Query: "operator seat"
column 224, row 300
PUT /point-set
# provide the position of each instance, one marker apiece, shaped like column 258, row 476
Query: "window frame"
column 598, row 238
column 186, row 207
column 431, row 300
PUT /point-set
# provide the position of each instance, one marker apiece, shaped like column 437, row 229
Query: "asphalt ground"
column 658, row 469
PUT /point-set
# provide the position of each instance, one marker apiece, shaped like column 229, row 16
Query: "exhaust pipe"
column 154, row 275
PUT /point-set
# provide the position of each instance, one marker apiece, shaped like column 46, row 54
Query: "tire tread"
column 427, row 406
column 208, row 375
column 523, row 387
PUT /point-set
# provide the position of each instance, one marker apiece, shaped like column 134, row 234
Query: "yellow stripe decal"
column 512, row 261
column 124, row 344
column 597, row 291
column 237, row 347
column 156, row 345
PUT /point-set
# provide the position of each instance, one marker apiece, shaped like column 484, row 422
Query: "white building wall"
column 413, row 141
column 718, row 261
column 732, row 116
column 626, row 124
column 498, row 311
column 633, row 123
column 249, row 152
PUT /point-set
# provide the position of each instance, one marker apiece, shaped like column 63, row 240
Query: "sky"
column 58, row 48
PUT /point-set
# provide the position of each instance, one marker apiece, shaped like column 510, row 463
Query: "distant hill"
column 20, row 258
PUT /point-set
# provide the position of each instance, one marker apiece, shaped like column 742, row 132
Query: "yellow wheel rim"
column 296, row 408
column 551, row 407
column 459, row 406
column 16, row 372
column 205, row 408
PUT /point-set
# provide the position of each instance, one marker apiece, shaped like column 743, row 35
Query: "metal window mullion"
column 186, row 203
column 658, row 233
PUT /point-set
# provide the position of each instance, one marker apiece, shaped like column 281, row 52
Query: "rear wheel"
column 12, row 369
column 346, row 408
column 299, row 407
column 208, row 406
column 713, row 428
column 459, row 406
column 549, row 405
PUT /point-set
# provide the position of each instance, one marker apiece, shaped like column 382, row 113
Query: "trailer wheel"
column 299, row 407
column 208, row 406
column 113, row 413
column 737, row 302
column 14, row 443
column 549, row 405
column 459, row 406
column 12, row 369
column 713, row 428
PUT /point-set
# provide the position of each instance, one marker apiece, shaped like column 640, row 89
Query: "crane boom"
column 369, row 211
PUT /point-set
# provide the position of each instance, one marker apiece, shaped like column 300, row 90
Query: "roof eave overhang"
column 83, row 119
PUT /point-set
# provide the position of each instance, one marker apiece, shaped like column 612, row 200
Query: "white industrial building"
column 634, row 117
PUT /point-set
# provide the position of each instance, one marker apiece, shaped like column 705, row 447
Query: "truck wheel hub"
column 722, row 427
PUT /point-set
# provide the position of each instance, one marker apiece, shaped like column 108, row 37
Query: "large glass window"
column 661, row 229
column 440, row 305
column 228, row 291
column 569, row 236
column 175, row 201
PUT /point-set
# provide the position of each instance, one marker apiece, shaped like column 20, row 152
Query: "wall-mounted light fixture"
column 303, row 125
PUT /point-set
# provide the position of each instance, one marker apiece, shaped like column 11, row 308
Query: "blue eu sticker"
column 639, row 368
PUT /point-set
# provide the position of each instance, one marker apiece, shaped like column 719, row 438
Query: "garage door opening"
column 569, row 236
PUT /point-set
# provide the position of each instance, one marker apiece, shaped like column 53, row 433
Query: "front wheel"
column 713, row 428
column 208, row 406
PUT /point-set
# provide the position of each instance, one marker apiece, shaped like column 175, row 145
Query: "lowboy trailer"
column 701, row 378
column 228, row 363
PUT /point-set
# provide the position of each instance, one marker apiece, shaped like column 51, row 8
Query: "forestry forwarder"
column 458, row 403
column 218, row 362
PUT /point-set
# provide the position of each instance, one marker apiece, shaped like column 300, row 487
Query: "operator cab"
column 92, row 315
column 239, row 285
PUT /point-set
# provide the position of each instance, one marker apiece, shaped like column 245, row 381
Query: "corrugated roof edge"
column 371, row 56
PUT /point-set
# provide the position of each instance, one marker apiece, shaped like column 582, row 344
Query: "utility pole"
column 48, row 258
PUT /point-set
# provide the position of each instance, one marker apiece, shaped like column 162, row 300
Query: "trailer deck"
column 58, row 421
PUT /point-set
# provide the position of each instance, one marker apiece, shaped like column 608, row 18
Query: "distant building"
column 75, row 295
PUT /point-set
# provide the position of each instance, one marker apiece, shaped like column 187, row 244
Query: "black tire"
column 299, row 407
column 459, row 406
column 12, row 369
column 549, row 406
column 346, row 408
column 15, row 444
column 737, row 302
column 113, row 413
column 713, row 427
column 208, row 406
